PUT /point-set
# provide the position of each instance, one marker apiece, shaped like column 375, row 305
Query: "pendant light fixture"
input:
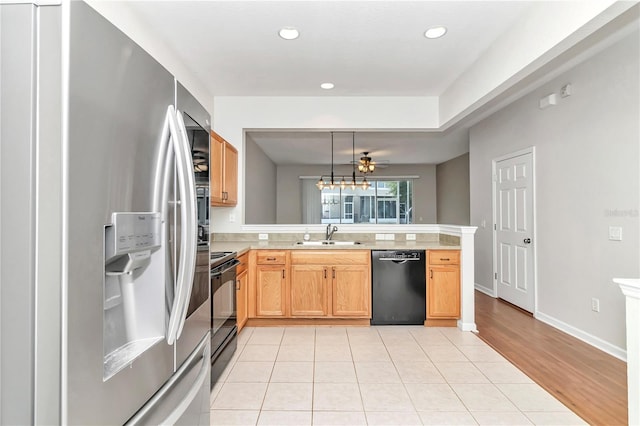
column 353, row 160
column 332, row 184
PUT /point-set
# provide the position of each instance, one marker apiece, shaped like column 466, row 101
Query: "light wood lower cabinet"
column 242, row 291
column 309, row 284
column 268, row 281
column 309, row 291
column 351, row 291
column 443, row 284
column 271, row 291
column 329, row 283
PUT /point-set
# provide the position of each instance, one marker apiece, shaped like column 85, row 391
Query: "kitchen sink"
column 327, row 243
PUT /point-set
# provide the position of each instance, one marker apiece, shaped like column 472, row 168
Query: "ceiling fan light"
column 372, row 167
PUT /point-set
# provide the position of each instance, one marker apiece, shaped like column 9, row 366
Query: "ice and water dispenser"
column 134, row 293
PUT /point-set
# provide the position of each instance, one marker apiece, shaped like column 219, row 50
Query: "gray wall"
column 587, row 179
column 290, row 190
column 260, row 183
column 452, row 191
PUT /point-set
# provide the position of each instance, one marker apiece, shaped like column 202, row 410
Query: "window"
column 385, row 201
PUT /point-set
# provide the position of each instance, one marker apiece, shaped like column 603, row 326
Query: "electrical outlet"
column 389, row 237
column 411, row 237
column 263, row 236
column 615, row 233
column 379, row 237
column 595, row 304
column 232, row 217
column 565, row 90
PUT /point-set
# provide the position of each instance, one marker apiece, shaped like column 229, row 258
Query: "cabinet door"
column 351, row 291
column 241, row 298
column 309, row 295
column 216, row 168
column 270, row 291
column 443, row 292
column 230, row 185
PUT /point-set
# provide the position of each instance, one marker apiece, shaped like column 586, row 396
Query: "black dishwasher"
column 398, row 287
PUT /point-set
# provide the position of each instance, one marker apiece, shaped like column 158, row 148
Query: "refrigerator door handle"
column 162, row 183
column 186, row 187
column 188, row 231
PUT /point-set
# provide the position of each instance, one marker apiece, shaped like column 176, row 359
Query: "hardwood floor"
column 590, row 382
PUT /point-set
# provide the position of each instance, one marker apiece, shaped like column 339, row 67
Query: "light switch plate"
column 411, row 237
column 263, row 236
column 615, row 233
column 389, row 237
column 379, row 237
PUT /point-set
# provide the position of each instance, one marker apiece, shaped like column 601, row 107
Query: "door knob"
column 527, row 240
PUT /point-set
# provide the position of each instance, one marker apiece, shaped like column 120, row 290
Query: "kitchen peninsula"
column 284, row 241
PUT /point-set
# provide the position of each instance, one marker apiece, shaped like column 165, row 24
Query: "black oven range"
column 223, row 311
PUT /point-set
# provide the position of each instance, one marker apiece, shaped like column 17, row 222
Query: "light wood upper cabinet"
column 443, row 284
column 230, row 182
column 223, row 172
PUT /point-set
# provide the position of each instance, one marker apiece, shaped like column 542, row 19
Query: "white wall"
column 452, row 191
column 541, row 34
column 587, row 157
column 261, row 183
column 233, row 115
column 290, row 189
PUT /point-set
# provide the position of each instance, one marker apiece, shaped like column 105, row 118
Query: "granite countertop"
column 242, row 246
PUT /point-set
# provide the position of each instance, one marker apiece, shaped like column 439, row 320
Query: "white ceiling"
column 295, row 147
column 366, row 48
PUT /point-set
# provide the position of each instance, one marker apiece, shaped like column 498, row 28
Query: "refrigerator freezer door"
column 184, row 399
column 117, row 101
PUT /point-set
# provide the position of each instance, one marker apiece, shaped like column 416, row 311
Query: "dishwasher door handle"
column 400, row 261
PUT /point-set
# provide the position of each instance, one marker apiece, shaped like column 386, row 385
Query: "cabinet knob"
column 527, row 240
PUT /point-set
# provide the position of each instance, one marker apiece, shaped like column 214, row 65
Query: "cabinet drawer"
column 330, row 257
column 271, row 257
column 444, row 257
column 244, row 263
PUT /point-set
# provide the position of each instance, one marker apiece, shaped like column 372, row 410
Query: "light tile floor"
column 393, row 375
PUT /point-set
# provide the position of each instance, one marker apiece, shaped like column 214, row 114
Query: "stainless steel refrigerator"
column 104, row 268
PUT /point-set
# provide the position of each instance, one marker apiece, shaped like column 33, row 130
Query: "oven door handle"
column 236, row 262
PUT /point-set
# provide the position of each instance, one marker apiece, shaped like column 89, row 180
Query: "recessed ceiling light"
column 327, row 86
column 289, row 33
column 435, row 32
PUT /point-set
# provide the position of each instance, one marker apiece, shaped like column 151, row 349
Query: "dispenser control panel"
column 132, row 232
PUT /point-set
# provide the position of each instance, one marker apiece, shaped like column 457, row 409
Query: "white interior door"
column 514, row 250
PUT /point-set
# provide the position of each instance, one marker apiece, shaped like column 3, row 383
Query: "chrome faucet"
column 330, row 232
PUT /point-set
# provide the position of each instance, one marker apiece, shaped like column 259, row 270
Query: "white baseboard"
column 584, row 336
column 483, row 289
column 467, row 326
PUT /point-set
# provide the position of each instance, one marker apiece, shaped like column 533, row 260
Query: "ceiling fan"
column 367, row 165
